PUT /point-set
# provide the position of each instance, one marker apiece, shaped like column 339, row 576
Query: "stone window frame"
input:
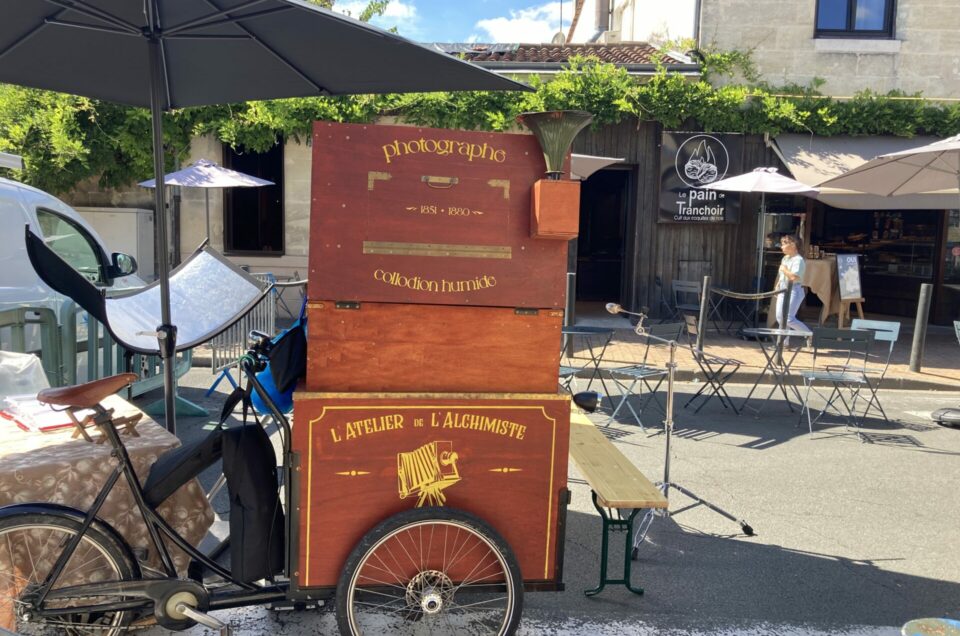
column 887, row 32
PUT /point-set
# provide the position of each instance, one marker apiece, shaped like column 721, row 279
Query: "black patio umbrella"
column 165, row 54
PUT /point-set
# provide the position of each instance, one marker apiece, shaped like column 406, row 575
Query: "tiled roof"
column 626, row 53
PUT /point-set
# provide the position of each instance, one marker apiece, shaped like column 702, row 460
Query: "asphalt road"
column 851, row 537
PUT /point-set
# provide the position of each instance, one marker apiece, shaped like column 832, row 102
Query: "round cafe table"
column 777, row 364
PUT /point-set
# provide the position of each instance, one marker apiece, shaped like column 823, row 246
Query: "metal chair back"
column 883, row 331
column 660, row 336
column 666, row 310
column 686, row 295
column 716, row 370
column 855, row 345
column 666, row 331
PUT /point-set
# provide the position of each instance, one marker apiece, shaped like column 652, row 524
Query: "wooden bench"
column 615, row 483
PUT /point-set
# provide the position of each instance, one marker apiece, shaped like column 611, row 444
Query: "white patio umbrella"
column 764, row 181
column 931, row 168
column 582, row 166
column 207, row 174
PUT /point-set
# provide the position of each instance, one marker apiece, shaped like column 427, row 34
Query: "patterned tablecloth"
column 52, row 467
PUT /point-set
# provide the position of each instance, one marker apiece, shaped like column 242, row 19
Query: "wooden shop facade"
column 645, row 224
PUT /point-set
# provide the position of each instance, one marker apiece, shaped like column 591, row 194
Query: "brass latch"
column 440, row 182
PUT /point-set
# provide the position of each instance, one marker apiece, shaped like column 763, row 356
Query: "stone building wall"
column 297, row 164
column 923, row 56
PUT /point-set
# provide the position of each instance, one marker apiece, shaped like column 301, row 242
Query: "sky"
column 470, row 20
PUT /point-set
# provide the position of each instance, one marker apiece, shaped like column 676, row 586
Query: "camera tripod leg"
column 647, row 520
column 744, row 526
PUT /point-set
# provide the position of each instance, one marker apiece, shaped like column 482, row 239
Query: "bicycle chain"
column 147, row 623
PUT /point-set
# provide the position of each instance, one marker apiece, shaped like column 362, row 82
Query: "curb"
column 749, row 378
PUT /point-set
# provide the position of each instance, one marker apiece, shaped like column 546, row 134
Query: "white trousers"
column 796, row 298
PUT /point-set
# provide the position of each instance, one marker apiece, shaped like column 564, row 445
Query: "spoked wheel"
column 29, row 547
column 430, row 571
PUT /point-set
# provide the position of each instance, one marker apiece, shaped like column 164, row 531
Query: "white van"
column 66, row 233
column 73, row 239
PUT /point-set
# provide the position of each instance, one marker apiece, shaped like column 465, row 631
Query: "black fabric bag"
column 256, row 518
column 178, row 466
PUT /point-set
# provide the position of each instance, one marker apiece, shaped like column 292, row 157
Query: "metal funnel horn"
column 555, row 130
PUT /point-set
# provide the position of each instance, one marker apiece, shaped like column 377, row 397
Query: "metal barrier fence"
column 76, row 348
column 227, row 348
column 232, row 343
column 105, row 357
column 17, row 320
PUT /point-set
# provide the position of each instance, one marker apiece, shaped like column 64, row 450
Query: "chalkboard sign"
column 848, row 271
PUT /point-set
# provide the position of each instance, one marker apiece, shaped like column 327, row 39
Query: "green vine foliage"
column 66, row 139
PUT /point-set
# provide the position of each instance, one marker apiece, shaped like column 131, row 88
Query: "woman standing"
column 792, row 268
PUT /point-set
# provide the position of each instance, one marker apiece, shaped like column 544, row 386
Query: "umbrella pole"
column 759, row 279
column 166, row 332
column 206, row 192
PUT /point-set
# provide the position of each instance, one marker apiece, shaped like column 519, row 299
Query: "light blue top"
column 796, row 265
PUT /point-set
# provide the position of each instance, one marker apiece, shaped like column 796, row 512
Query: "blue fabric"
column 283, row 400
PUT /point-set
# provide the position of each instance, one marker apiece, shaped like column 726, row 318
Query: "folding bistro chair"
column 593, row 342
column 883, row 331
column 642, row 374
column 568, row 378
column 686, row 297
column 716, row 371
column 849, row 375
column 667, row 311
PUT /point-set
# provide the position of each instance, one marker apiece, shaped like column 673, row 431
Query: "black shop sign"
column 689, row 161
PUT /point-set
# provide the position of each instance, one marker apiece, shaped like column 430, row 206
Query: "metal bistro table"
column 778, row 364
column 596, row 340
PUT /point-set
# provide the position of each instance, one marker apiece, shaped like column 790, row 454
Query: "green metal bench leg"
column 609, row 525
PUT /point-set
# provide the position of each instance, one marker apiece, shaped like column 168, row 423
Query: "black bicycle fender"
column 66, row 512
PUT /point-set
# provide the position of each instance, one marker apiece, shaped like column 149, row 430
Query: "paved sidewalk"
column 940, row 365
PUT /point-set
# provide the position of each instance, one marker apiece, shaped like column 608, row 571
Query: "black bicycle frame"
column 157, row 526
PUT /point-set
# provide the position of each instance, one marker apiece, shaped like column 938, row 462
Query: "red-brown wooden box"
column 555, row 209
column 400, row 214
column 443, row 348
column 511, row 470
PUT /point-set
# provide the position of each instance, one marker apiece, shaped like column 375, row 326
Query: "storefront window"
column 951, row 271
column 949, row 302
column 897, row 249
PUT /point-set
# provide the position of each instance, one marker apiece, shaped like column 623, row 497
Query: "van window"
column 71, row 243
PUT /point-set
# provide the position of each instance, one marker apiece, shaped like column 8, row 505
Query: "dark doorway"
column 253, row 217
column 600, row 245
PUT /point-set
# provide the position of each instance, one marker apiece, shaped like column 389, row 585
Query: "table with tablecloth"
column 53, row 467
column 820, row 277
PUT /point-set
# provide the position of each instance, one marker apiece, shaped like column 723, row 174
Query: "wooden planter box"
column 555, row 209
column 509, row 468
column 429, row 216
column 396, row 347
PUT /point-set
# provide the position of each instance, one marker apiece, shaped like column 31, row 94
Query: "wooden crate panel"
column 504, row 459
column 429, row 216
column 443, row 348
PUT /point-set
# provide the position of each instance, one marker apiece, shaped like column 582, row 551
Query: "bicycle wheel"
column 29, row 547
column 430, row 571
